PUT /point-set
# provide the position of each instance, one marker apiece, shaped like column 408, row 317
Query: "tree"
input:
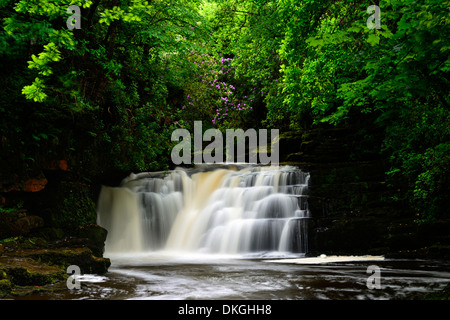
column 397, row 72
column 330, row 67
column 105, row 91
column 112, row 91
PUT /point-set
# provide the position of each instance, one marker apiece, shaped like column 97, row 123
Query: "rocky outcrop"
column 349, row 197
column 65, row 257
column 20, row 183
column 18, row 222
column 47, row 223
column 347, row 170
column 35, row 185
column 33, row 264
column 381, row 235
column 12, row 183
column 31, row 271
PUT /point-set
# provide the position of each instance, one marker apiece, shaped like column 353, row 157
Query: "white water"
column 224, row 210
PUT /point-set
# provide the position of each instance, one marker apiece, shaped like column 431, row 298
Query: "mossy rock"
column 348, row 235
column 49, row 233
column 5, row 288
column 29, row 271
column 63, row 258
column 65, row 205
column 76, row 208
column 21, row 243
column 24, row 271
column 95, row 237
column 33, row 242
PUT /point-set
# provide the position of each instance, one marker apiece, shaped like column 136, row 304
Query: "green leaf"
column 373, row 39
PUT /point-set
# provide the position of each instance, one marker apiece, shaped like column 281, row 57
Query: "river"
column 161, row 277
column 212, row 233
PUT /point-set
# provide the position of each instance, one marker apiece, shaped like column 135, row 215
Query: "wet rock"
column 23, row 183
column 345, row 235
column 94, row 238
column 29, row 271
column 17, row 222
column 5, row 287
column 35, row 184
column 443, row 294
column 26, row 224
column 22, row 271
column 49, row 233
column 384, row 235
column 64, row 257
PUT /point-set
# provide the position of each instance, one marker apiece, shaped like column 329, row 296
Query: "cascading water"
column 225, row 209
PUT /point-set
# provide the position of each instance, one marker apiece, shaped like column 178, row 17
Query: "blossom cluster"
column 215, row 84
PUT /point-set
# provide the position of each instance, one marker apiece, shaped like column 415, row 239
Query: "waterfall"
column 227, row 209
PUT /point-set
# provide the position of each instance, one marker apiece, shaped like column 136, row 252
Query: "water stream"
column 166, row 277
column 207, row 233
column 247, row 210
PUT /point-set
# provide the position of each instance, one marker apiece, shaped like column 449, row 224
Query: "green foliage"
column 107, row 96
column 76, row 209
column 13, row 209
column 100, row 96
column 331, row 68
column 419, row 149
column 35, row 91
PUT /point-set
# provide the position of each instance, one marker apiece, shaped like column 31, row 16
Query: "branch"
column 240, row 11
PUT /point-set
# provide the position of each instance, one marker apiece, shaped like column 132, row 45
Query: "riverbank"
column 357, row 208
column 348, row 200
column 217, row 277
column 32, row 266
column 38, row 262
column 400, row 238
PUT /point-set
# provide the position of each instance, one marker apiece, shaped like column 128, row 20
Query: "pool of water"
column 228, row 278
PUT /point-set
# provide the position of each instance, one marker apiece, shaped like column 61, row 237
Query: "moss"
column 50, row 233
column 95, row 238
column 5, row 288
column 22, row 243
column 28, row 271
column 31, row 271
column 23, row 271
column 33, row 242
column 21, row 276
column 62, row 258
column 74, row 206
column 64, row 204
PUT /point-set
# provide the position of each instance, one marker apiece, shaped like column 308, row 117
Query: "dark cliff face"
column 39, row 261
column 346, row 166
column 350, row 197
column 47, row 222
